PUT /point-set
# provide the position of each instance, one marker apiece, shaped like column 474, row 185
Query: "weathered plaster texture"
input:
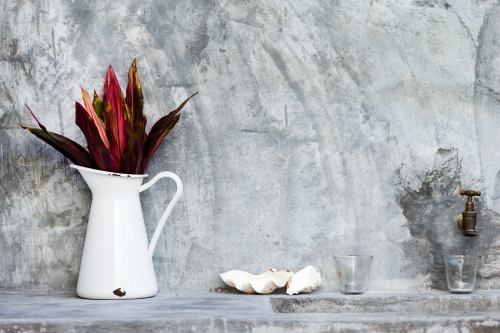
column 321, row 128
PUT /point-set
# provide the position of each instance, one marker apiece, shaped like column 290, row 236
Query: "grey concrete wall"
column 321, row 128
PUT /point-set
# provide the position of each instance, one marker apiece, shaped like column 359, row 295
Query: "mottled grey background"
column 321, row 128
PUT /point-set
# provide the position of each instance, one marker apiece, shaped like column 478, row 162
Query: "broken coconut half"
column 264, row 283
column 304, row 281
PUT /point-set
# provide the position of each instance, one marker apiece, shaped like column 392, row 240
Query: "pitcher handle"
column 170, row 207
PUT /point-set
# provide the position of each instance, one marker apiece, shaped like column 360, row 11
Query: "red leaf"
column 97, row 148
column 116, row 116
column 114, row 128
column 69, row 148
column 110, row 76
column 131, row 160
column 159, row 131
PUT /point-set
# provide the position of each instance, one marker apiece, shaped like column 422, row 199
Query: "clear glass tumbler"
column 353, row 271
column 461, row 272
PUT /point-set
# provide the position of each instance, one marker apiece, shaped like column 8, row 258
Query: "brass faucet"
column 467, row 221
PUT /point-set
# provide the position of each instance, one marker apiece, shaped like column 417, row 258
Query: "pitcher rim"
column 108, row 173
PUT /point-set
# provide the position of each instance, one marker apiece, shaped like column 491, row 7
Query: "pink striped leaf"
column 100, row 153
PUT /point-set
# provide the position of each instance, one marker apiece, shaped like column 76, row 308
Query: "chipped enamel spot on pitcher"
column 117, row 259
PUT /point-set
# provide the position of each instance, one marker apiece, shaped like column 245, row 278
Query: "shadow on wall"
column 432, row 212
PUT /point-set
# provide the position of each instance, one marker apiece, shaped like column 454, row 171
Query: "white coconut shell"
column 264, row 283
column 304, row 281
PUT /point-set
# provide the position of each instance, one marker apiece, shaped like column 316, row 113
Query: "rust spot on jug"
column 118, row 292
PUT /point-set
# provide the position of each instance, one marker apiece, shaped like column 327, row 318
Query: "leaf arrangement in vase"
column 115, row 128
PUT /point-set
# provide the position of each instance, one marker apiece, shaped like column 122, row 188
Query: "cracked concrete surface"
column 321, row 128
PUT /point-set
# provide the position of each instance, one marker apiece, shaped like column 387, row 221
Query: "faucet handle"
column 470, row 193
column 469, row 205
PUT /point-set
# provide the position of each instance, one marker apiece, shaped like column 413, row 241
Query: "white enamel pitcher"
column 117, row 260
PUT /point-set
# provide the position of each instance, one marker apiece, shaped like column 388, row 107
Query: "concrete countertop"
column 224, row 312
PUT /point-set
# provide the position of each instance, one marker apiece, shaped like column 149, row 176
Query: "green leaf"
column 135, row 99
column 98, row 106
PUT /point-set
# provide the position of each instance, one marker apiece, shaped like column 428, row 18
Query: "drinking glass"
column 353, row 271
column 461, row 272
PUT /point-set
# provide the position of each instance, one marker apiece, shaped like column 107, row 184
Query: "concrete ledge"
column 212, row 312
column 426, row 302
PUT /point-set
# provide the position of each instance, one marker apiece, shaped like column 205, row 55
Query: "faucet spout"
column 467, row 221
